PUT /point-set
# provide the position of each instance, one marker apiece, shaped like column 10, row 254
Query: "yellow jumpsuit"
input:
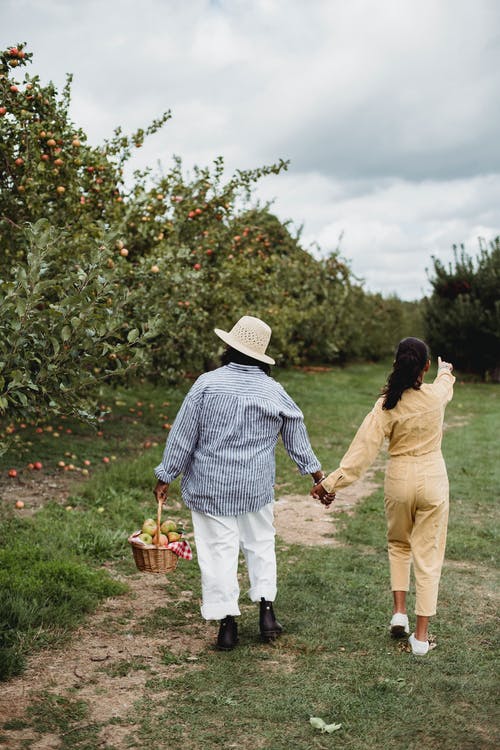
column 416, row 483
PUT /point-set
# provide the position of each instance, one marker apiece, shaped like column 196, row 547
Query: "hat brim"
column 235, row 344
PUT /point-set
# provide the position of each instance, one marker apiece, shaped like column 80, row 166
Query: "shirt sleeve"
column 361, row 453
column 295, row 437
column 443, row 384
column 183, row 436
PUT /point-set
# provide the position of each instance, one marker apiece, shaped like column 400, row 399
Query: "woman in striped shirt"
column 223, row 443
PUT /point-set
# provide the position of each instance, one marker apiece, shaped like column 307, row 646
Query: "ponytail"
column 411, row 357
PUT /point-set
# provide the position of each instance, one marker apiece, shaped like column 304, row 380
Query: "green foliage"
column 63, row 330
column 372, row 325
column 462, row 317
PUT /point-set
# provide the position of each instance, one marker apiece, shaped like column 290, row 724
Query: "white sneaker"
column 418, row 648
column 399, row 626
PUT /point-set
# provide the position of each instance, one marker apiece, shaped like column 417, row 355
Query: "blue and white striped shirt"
column 224, row 438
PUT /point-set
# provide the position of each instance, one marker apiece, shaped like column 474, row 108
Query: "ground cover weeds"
column 335, row 660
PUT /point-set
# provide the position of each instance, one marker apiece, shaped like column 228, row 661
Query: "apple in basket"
column 168, row 526
column 146, row 538
column 149, row 527
column 163, row 540
column 173, row 536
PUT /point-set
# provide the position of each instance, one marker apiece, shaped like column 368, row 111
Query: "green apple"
column 149, row 527
column 168, row 526
column 173, row 536
column 146, row 538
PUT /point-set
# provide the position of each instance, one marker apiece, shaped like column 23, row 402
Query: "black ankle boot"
column 228, row 634
column 270, row 628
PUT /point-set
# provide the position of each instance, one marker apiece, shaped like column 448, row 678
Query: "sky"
column 388, row 110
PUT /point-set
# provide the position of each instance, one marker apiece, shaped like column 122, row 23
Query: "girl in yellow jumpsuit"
column 410, row 415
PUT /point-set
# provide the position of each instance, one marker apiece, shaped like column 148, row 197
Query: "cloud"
column 389, row 230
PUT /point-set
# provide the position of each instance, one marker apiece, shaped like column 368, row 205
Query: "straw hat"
column 249, row 336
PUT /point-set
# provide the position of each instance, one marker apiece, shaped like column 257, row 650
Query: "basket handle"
column 158, row 523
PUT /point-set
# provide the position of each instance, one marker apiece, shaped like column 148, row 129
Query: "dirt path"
column 93, row 667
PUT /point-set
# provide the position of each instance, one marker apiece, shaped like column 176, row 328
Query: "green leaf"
column 316, row 722
column 66, row 333
column 133, row 335
column 331, row 728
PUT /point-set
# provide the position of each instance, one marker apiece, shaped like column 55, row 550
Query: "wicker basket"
column 151, row 558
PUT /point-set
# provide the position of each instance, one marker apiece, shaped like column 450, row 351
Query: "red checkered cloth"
column 181, row 548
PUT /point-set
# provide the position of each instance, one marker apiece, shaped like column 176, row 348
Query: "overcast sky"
column 388, row 110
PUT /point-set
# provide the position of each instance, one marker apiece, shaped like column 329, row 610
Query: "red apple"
column 19, row 162
column 14, row 89
column 37, row 465
column 105, row 460
column 19, row 504
column 197, row 267
column 163, row 540
column 3, row 111
column 12, row 473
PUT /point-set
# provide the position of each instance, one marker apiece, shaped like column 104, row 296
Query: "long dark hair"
column 232, row 355
column 411, row 357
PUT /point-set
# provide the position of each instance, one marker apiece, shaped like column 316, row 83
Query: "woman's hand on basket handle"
column 161, row 491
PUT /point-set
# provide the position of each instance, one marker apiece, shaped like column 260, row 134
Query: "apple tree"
column 47, row 167
column 462, row 316
column 63, row 331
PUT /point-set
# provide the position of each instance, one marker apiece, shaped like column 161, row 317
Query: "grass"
column 335, row 659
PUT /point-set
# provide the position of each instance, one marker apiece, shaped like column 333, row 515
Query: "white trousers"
column 218, row 542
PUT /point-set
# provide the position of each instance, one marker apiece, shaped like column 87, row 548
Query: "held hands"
column 318, row 492
column 444, row 365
